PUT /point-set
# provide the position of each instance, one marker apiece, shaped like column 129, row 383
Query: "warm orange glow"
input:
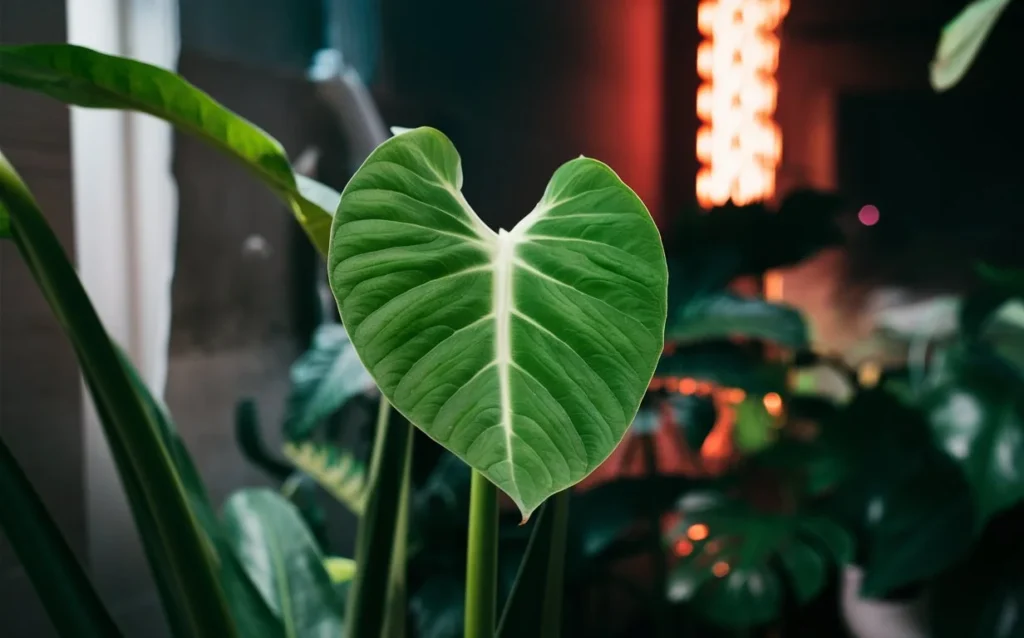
column 683, row 547
column 703, row 389
column 739, row 145
column 773, row 403
column 697, row 532
column 672, row 384
column 735, row 395
column 656, row 384
column 720, row 569
column 688, row 386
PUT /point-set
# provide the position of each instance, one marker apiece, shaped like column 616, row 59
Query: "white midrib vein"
column 504, row 260
column 504, row 263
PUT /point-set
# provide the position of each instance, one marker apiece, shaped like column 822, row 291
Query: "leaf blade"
column 62, row 585
column 176, row 548
column 282, row 559
column 83, row 77
column 961, row 41
column 473, row 334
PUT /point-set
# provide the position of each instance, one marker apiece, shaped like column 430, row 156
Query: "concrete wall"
column 40, row 395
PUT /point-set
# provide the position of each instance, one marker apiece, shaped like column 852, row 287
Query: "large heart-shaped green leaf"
column 739, row 567
column 83, row 77
column 962, row 40
column 283, row 560
column 323, row 379
column 524, row 352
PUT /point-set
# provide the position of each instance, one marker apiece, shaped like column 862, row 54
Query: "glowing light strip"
column 739, row 144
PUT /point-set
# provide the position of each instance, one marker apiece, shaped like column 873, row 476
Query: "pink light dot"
column 868, row 215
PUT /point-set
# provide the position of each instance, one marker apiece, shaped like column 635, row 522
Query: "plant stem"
column 482, row 559
column 662, row 618
column 551, row 620
column 371, row 591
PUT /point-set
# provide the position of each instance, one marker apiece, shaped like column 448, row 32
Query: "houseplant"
column 514, row 302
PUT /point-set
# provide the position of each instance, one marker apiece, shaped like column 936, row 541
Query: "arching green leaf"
column 337, row 471
column 722, row 315
column 83, row 77
column 524, row 352
column 323, row 379
column 284, row 562
column 962, row 40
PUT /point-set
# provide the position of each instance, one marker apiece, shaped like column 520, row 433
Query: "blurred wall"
column 40, row 392
column 524, row 86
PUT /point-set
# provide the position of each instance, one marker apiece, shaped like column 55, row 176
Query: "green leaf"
column 177, row 549
column 962, row 40
column 341, row 571
column 738, row 567
column 74, row 607
column 603, row 514
column 250, row 440
column 754, row 427
column 534, row 607
column 5, row 223
column 283, row 560
column 722, row 315
column 524, row 352
column 337, row 471
column 83, row 77
column 732, row 365
column 981, row 597
column 381, row 537
column 918, row 527
column 323, row 379
column 251, row 614
column 977, row 416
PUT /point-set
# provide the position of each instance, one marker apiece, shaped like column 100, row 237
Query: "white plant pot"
column 869, row 618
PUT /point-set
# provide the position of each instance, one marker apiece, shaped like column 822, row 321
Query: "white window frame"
column 125, row 215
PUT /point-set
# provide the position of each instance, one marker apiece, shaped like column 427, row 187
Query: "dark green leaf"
column 977, row 416
column 379, row 539
column 283, row 560
column 323, row 379
column 917, row 528
column 250, row 441
column 74, row 607
column 982, row 597
column 178, row 550
column 738, row 567
column 437, row 608
column 723, row 315
column 754, row 428
column 5, row 223
column 337, row 471
column 601, row 515
column 534, row 608
column 83, row 77
column 725, row 363
column 251, row 614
